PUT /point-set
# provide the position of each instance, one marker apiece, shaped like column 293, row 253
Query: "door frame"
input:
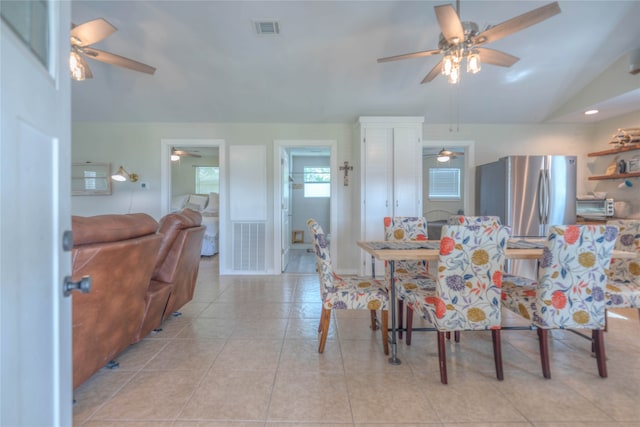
column 469, row 166
column 280, row 145
column 165, row 184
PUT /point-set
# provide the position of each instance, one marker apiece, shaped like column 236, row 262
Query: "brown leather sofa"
column 179, row 257
column 118, row 252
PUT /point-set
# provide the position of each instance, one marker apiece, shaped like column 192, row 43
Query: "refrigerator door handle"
column 547, row 191
column 541, row 197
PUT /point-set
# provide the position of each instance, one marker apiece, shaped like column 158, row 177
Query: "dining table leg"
column 392, row 289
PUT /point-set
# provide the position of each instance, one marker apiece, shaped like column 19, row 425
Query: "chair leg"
column 598, row 340
column 497, row 353
column 400, row 314
column 409, row 323
column 385, row 331
column 544, row 352
column 324, row 326
column 374, row 323
column 442, row 357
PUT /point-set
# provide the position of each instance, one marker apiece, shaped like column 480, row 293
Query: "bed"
column 207, row 205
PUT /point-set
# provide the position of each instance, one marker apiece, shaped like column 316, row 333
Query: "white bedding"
column 210, row 240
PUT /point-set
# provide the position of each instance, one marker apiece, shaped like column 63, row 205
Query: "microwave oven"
column 594, row 208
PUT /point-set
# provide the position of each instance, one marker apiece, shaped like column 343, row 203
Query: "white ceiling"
column 213, row 67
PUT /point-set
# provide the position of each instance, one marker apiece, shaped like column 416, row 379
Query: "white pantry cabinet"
column 390, row 151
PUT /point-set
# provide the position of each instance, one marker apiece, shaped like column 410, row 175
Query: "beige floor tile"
column 151, row 396
column 307, row 329
column 229, row 395
column 249, row 354
column 120, row 423
column 310, row 397
column 389, row 398
column 259, row 329
column 217, row 424
column 93, row 393
column 207, row 328
column 136, row 356
column 187, row 354
column 302, row 355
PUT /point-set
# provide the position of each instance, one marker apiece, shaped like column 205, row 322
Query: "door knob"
column 83, row 285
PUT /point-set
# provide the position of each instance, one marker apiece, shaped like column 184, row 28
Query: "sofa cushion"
column 170, row 227
column 111, row 228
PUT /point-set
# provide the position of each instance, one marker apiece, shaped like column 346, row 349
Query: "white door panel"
column 35, row 324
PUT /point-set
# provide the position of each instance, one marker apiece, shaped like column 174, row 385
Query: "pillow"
column 214, row 203
column 199, row 201
column 178, row 202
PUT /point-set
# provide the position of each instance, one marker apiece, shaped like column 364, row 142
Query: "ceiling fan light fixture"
column 454, row 77
column 175, row 157
column 473, row 63
column 442, row 158
column 75, row 66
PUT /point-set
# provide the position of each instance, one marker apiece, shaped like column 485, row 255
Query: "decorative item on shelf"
column 625, row 184
column 346, row 168
column 622, row 166
column 633, row 164
column 625, row 136
column 613, row 167
column 123, row 175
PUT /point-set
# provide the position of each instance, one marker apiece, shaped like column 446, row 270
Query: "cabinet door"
column 377, row 187
column 407, row 172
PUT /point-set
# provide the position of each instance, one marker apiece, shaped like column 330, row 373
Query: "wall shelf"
column 614, row 151
column 615, row 176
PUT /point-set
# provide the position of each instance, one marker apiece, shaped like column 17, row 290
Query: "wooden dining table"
column 392, row 251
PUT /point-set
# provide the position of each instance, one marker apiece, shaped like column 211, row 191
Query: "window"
column 317, row 182
column 444, row 183
column 207, row 179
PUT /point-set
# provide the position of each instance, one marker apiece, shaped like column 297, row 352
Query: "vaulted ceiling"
column 212, row 66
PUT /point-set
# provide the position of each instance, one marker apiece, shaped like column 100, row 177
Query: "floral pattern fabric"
column 570, row 289
column 469, row 279
column 623, row 286
column 474, row 220
column 409, row 276
column 352, row 292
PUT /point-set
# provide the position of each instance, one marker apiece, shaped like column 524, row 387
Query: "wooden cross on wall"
column 346, row 168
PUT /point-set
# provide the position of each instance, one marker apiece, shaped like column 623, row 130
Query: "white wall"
column 137, row 147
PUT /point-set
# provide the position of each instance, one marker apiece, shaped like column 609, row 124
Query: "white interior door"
column 35, row 326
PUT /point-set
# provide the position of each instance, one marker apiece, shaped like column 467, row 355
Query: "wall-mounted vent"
column 249, row 246
column 267, row 27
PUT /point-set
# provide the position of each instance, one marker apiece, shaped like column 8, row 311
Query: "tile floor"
column 244, row 353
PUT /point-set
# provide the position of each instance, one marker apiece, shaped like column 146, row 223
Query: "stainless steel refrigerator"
column 528, row 193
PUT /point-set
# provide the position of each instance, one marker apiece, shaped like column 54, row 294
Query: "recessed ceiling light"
column 591, row 112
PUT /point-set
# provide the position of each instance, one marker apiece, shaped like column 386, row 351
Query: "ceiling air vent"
column 267, row 27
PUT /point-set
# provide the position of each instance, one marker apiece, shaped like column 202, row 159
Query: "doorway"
column 447, row 182
column 305, row 188
column 198, row 170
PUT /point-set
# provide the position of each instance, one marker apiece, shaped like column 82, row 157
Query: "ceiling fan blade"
column 518, row 23
column 91, row 32
column 410, row 55
column 112, row 58
column 450, row 24
column 495, row 57
column 433, row 73
column 183, row 153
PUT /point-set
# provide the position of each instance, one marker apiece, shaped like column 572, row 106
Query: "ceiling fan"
column 445, row 155
column 461, row 40
column 84, row 35
column 177, row 153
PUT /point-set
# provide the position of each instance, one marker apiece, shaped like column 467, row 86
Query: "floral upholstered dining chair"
column 408, row 275
column 486, row 220
column 468, row 287
column 623, row 284
column 569, row 292
column 346, row 293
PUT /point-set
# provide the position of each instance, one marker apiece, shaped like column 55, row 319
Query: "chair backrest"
column 323, row 259
column 626, row 270
column 474, row 220
column 405, row 228
column 572, row 276
column 469, row 280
